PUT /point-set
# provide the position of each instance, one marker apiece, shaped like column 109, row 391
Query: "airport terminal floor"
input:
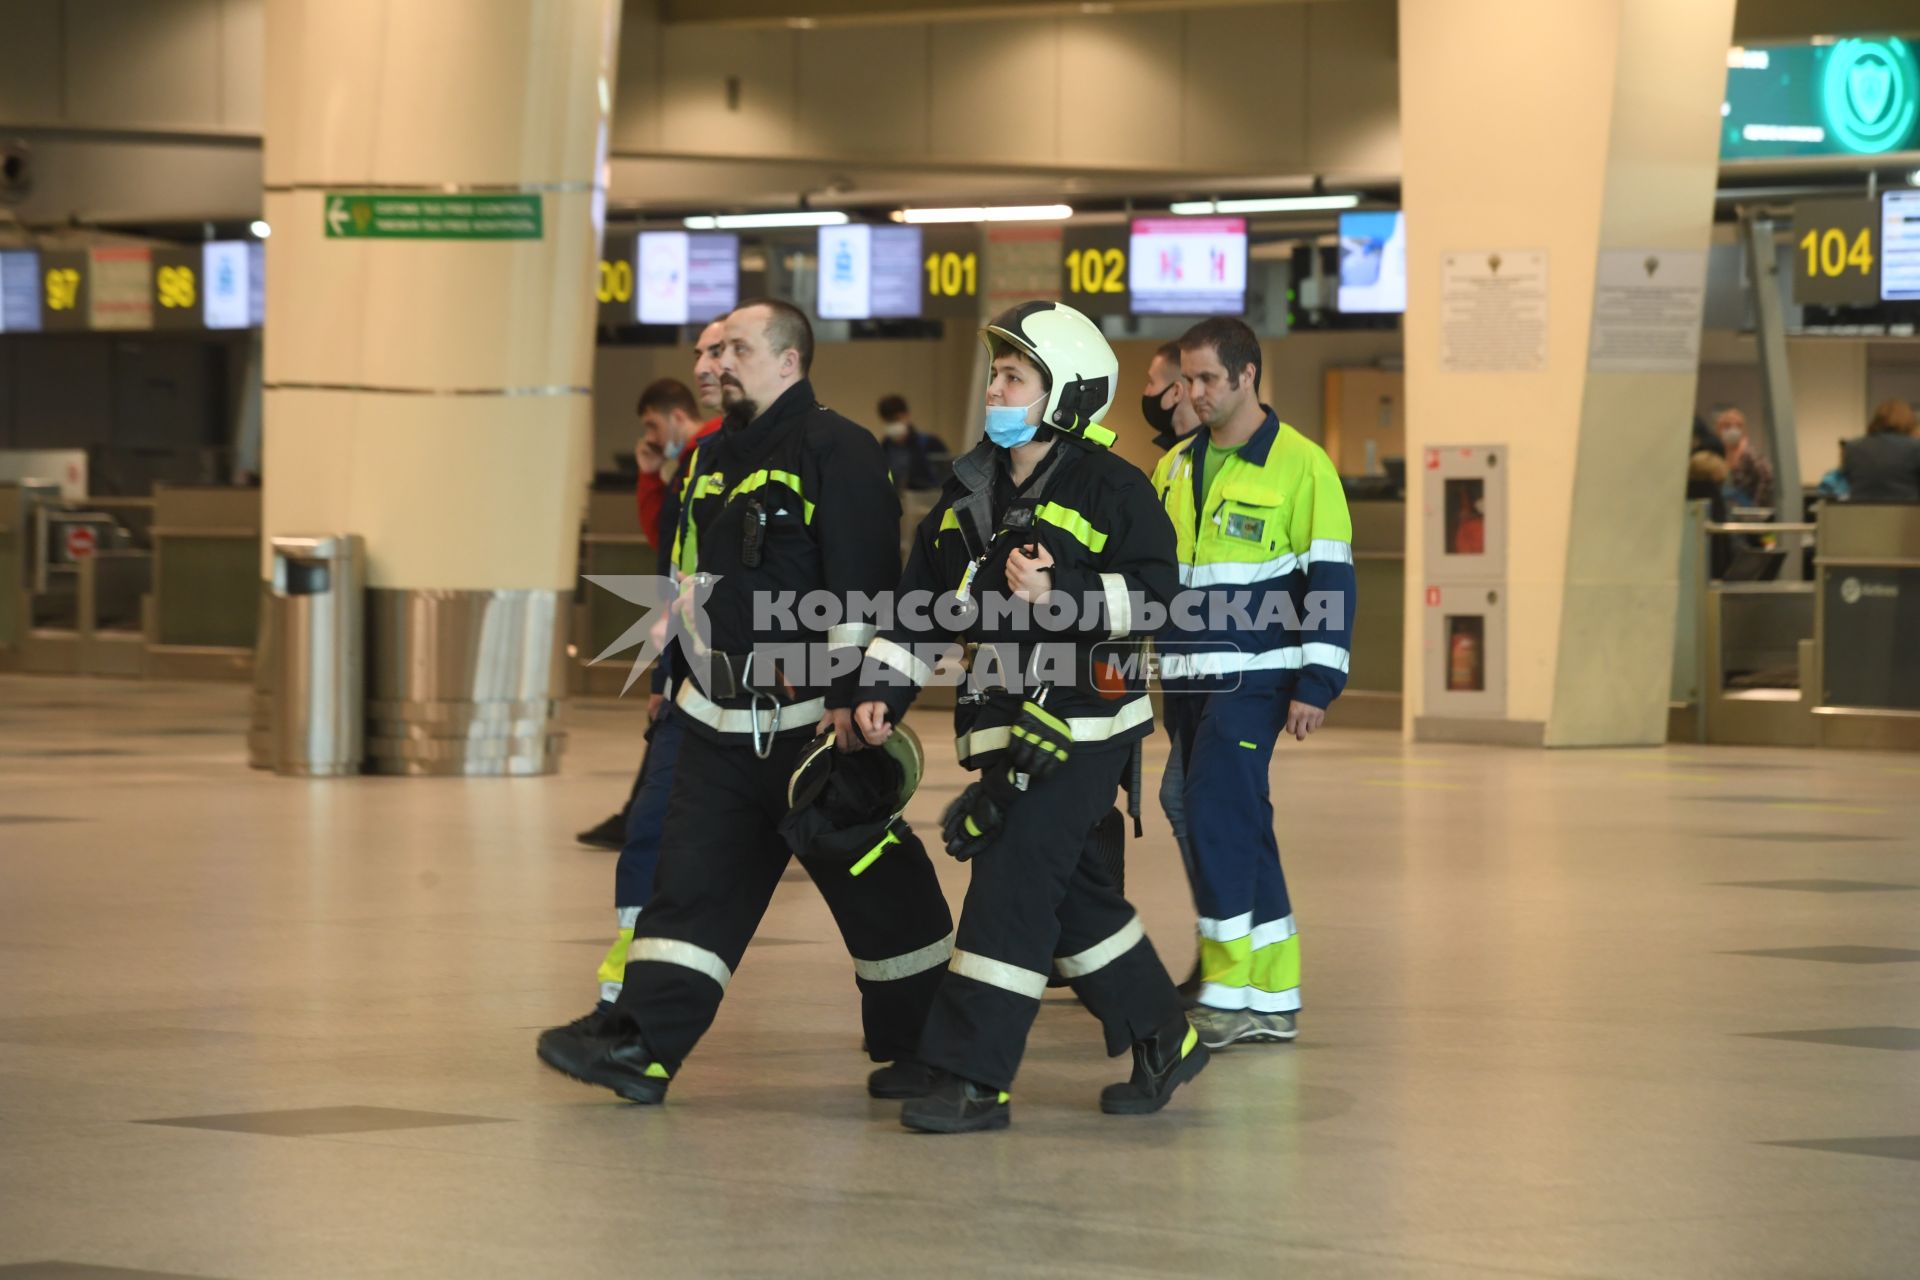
column 1617, row 1013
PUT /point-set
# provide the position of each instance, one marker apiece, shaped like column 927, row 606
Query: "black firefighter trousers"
column 721, row 856
column 1042, row 898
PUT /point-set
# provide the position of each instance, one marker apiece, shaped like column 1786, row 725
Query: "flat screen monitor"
column 1900, row 246
column 1188, row 266
column 869, row 273
column 1373, row 263
column 19, row 291
column 687, row 277
column 226, row 284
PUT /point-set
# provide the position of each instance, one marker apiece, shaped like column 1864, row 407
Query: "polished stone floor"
column 1599, row 1014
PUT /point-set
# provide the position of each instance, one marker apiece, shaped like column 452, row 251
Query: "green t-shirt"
column 1215, row 456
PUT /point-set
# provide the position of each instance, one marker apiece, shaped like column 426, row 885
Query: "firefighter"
column 1039, row 515
column 788, row 499
column 1260, row 515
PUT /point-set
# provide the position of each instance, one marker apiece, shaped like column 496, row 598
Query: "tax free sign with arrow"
column 422, row 216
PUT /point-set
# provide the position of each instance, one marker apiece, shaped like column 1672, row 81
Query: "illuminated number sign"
column 950, row 272
column 613, row 281
column 176, row 288
column 1836, row 260
column 1093, row 268
column 65, row 300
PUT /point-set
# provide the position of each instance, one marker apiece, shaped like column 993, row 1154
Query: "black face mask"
column 1159, row 418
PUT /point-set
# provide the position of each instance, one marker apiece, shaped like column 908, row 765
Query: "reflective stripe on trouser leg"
column 1258, row 970
column 1238, row 879
column 613, row 969
column 684, row 954
column 894, row 968
column 1102, row 953
column 998, row 973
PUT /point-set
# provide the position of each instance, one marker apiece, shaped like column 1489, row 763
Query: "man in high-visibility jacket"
column 1265, row 545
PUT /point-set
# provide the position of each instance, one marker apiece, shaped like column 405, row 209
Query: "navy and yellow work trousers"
column 1249, row 949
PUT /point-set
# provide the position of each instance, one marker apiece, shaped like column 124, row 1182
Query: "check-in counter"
column 204, row 612
column 1867, row 626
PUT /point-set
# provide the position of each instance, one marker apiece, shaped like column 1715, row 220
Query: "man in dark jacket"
column 790, row 499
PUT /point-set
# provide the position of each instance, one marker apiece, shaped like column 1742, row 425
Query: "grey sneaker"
column 1219, row 1028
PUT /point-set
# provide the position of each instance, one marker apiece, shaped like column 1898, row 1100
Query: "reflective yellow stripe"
column 1193, row 1038
column 656, row 1071
column 1258, row 970
column 614, row 967
column 1130, row 715
column 762, row 478
column 1073, row 522
column 949, row 519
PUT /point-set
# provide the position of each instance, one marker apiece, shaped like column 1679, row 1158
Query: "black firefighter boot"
column 1172, row 1057
column 619, row 1061
column 954, row 1105
column 903, row 1079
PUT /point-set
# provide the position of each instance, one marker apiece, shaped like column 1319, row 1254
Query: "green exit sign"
column 353, row 215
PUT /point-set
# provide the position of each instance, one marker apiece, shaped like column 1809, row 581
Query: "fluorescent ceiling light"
column 740, row 221
column 1278, row 204
column 261, row 229
column 1001, row 213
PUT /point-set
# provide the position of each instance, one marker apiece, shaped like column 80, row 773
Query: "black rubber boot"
column 903, row 1079
column 599, row 1022
column 621, row 1063
column 954, row 1105
column 610, row 835
column 1160, row 1065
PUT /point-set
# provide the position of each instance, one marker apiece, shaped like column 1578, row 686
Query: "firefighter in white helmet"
column 1043, row 556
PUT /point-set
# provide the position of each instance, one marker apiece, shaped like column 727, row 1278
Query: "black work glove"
column 1039, row 741
column 977, row 814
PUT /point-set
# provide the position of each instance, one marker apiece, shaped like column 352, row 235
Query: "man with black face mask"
column 1164, row 402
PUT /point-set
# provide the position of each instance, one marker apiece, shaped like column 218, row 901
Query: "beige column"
column 432, row 394
column 1575, row 130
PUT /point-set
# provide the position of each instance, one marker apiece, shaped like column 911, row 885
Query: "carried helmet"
column 842, row 805
column 1076, row 357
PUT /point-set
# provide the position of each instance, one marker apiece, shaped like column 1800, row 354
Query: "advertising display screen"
column 19, row 291
column 226, row 284
column 1188, row 266
column 1373, row 263
column 687, row 278
column 1858, row 96
column 1900, row 246
column 869, row 273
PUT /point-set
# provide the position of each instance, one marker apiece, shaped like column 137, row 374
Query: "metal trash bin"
column 319, row 655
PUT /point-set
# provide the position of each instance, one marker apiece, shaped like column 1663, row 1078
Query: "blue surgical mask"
column 1007, row 424
column 672, row 450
